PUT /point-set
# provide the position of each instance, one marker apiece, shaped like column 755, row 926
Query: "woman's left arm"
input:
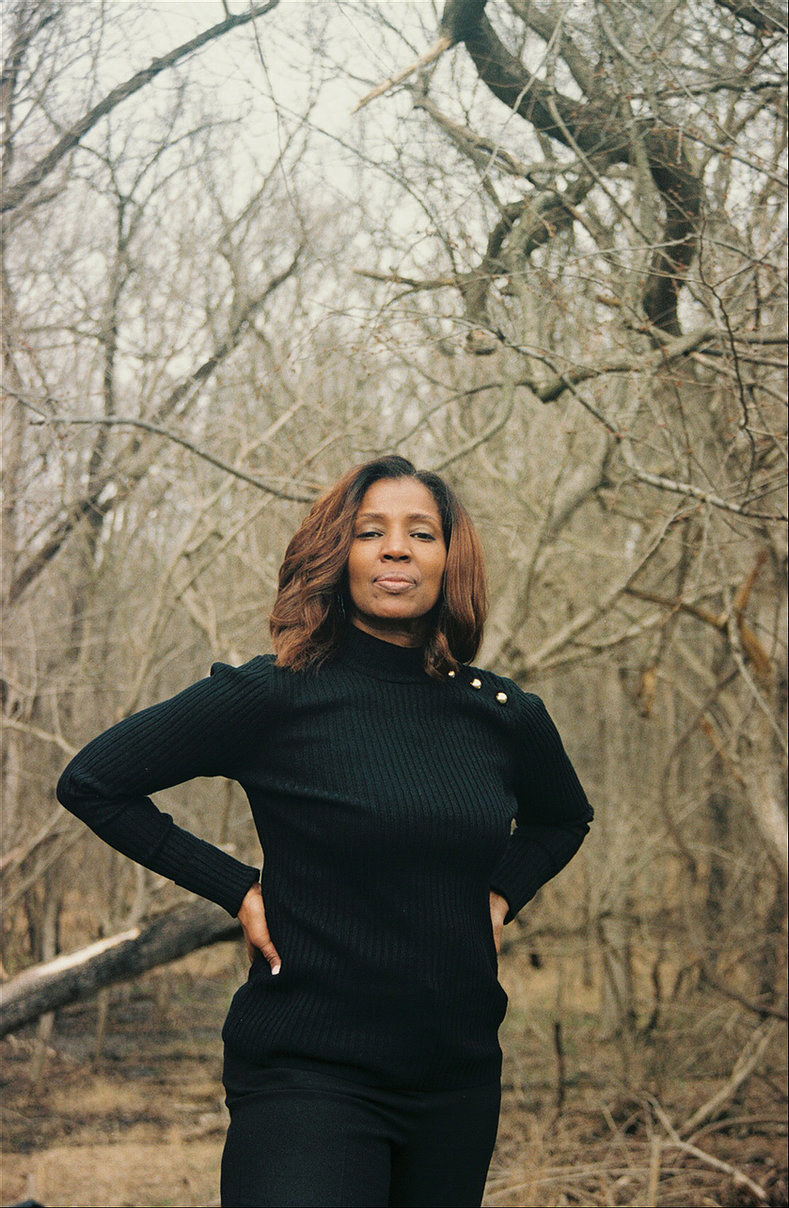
column 553, row 810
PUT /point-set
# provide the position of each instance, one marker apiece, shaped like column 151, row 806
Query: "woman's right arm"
column 196, row 733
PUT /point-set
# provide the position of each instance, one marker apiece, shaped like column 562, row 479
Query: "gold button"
column 501, row 697
column 451, row 674
column 476, row 683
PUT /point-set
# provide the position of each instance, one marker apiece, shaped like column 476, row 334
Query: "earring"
column 340, row 605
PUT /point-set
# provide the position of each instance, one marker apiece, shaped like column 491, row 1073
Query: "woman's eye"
column 421, row 535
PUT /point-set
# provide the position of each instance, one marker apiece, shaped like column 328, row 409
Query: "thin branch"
column 758, row 1008
column 412, row 283
column 16, row 194
column 58, row 824
column 13, row 723
column 121, row 421
column 483, row 151
column 744, row 1066
column 670, row 348
column 474, row 442
column 675, row 1142
column 429, row 56
column 674, row 347
column 92, row 503
column 588, row 616
column 677, row 487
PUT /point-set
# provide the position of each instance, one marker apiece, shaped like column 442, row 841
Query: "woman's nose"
column 395, row 547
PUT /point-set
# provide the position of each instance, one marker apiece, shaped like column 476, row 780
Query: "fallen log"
column 121, row 957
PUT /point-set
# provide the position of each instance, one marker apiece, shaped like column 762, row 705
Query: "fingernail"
column 275, row 970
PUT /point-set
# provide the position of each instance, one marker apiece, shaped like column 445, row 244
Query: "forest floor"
column 584, row 1121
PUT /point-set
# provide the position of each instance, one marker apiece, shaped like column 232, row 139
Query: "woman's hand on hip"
column 252, row 917
column 499, row 907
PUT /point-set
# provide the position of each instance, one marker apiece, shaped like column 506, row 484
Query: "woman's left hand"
column 499, row 907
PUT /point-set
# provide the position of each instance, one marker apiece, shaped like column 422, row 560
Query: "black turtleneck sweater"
column 384, row 800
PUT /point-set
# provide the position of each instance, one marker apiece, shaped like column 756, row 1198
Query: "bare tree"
column 549, row 261
column 608, row 219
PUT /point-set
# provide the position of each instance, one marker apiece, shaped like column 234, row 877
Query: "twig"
column 128, row 421
column 655, row 1158
column 16, row 194
column 430, row 55
column 759, row 1008
column 45, row 735
column 749, row 1122
column 675, row 1142
column 561, row 1072
column 429, row 283
column 743, row 1068
column 738, row 1178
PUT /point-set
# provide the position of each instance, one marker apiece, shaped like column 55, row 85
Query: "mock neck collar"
column 380, row 659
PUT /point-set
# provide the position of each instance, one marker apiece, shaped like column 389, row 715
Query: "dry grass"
column 143, row 1124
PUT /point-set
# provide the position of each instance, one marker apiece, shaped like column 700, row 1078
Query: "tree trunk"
column 617, row 1010
column 68, row 979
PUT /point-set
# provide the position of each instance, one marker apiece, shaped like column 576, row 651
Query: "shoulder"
column 525, row 711
column 262, row 680
column 229, row 688
column 256, row 670
column 503, row 689
column 225, row 678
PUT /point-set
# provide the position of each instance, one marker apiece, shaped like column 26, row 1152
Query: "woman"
column 362, row 1065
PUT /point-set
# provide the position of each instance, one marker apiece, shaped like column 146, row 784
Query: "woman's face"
column 397, row 559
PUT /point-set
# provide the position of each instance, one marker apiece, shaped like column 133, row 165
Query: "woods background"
column 548, row 261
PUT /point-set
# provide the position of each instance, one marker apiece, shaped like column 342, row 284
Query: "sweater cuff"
column 518, row 880
column 533, row 855
column 205, row 869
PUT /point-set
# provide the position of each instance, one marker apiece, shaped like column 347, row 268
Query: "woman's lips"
column 395, row 583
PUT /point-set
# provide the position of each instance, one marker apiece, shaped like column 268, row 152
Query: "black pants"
column 304, row 1138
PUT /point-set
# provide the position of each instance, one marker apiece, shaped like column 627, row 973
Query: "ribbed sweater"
column 385, row 802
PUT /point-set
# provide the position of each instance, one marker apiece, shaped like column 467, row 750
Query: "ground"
column 585, row 1120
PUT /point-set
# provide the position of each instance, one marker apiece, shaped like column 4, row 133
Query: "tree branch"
column 14, row 195
column 671, row 348
column 121, row 421
column 92, row 503
column 531, row 663
column 430, row 55
column 484, row 152
column 738, row 1178
column 765, row 16
column 596, row 129
column 121, row 957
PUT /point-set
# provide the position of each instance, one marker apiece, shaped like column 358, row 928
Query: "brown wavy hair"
column 310, row 611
